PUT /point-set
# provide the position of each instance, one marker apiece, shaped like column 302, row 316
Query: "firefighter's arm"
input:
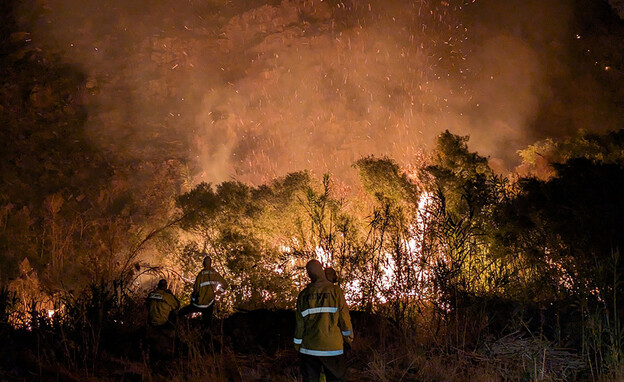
column 344, row 318
column 197, row 284
column 299, row 327
column 175, row 303
column 223, row 285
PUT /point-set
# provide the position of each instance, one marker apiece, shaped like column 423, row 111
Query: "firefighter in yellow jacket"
column 161, row 303
column 208, row 284
column 322, row 324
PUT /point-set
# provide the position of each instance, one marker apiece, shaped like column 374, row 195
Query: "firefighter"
column 161, row 306
column 208, row 284
column 322, row 325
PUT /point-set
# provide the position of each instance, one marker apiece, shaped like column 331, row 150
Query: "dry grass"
column 390, row 355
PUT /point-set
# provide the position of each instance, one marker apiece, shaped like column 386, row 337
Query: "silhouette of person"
column 323, row 323
column 208, row 284
column 160, row 333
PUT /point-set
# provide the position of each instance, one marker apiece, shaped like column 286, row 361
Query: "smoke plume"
column 255, row 89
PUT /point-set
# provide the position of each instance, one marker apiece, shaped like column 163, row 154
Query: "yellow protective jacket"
column 160, row 303
column 207, row 283
column 322, row 320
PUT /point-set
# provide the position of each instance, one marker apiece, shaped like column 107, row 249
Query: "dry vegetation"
column 453, row 271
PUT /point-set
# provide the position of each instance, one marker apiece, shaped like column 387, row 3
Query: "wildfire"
column 325, row 257
column 388, row 267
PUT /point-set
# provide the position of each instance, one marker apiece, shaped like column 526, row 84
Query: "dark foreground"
column 256, row 346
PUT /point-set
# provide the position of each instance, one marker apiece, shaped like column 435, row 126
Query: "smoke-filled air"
column 264, row 190
column 250, row 90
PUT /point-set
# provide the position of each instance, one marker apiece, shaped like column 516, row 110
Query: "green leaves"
column 383, row 179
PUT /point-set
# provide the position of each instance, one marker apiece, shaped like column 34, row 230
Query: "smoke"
column 618, row 5
column 253, row 90
column 538, row 72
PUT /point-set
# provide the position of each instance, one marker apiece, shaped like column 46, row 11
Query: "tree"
column 252, row 233
column 461, row 227
column 538, row 159
column 388, row 259
column 577, row 216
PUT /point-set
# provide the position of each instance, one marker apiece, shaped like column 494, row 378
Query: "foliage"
column 384, row 180
column 578, row 213
column 538, row 159
column 458, row 255
column 388, row 260
column 465, row 193
column 75, row 213
column 243, row 229
column 570, row 234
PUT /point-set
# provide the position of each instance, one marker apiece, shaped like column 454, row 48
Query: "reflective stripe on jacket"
column 207, row 282
column 160, row 303
column 322, row 320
